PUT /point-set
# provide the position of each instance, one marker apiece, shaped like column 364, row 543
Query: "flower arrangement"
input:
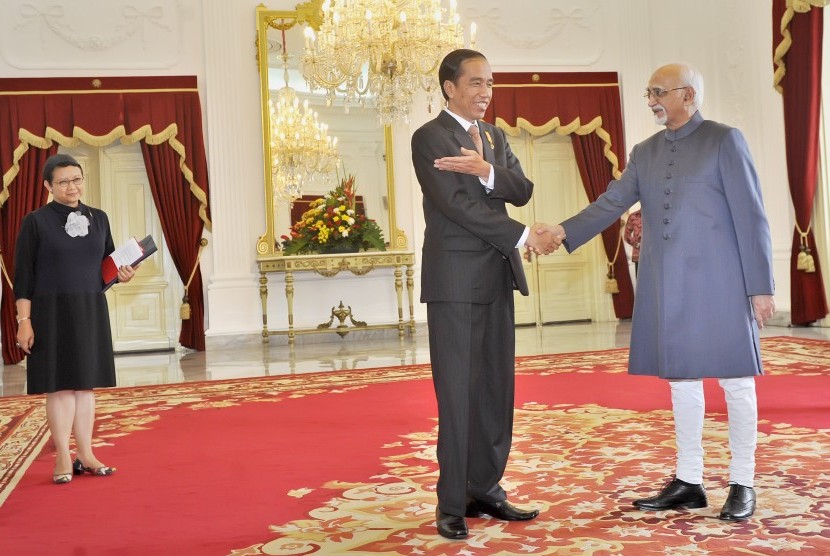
column 332, row 224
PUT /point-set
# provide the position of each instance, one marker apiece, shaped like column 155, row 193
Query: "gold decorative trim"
column 397, row 237
column 793, row 6
column 96, row 91
column 576, row 126
column 79, row 135
column 308, row 13
column 538, row 85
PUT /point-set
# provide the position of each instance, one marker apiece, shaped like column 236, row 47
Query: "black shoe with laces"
column 740, row 504
column 675, row 495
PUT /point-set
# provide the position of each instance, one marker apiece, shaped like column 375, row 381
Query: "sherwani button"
column 667, row 206
column 667, row 221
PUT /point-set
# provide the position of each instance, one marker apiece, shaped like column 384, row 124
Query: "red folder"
column 131, row 253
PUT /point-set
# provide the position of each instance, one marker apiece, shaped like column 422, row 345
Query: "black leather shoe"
column 677, row 494
column 503, row 510
column 451, row 526
column 740, row 504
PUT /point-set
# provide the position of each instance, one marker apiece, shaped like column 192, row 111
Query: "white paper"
column 127, row 253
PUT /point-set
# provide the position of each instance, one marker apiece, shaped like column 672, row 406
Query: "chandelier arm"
column 398, row 43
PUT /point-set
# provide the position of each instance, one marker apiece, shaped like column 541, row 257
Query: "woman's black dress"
column 61, row 276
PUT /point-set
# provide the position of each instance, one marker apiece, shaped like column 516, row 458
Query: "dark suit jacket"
column 469, row 237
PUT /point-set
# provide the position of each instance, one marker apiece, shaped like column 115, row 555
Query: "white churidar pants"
column 689, row 407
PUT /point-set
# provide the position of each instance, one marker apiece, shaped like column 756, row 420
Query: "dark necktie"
column 473, row 131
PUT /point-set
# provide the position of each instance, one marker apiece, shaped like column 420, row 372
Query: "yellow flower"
column 330, row 220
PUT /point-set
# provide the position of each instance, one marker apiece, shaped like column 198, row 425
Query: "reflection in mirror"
column 301, row 146
column 364, row 147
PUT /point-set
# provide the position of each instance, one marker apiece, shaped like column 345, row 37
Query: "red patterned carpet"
column 344, row 463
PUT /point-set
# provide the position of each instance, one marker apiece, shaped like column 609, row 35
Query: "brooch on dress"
column 77, row 224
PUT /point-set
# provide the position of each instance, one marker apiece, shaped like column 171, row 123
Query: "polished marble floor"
column 248, row 356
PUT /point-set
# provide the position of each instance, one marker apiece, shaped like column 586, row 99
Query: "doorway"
column 563, row 287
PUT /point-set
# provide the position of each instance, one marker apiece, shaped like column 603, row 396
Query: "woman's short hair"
column 58, row 161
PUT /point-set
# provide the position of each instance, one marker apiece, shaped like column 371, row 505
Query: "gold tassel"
column 810, row 263
column 801, row 260
column 184, row 310
column 611, row 285
column 805, row 261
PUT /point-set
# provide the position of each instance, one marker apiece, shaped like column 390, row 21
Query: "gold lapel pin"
column 490, row 140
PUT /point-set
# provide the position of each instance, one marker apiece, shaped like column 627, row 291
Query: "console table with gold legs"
column 359, row 264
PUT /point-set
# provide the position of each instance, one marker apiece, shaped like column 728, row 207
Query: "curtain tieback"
column 611, row 285
column 805, row 260
column 5, row 272
column 184, row 310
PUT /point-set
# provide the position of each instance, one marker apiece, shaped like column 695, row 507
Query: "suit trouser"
column 472, row 351
column 689, row 408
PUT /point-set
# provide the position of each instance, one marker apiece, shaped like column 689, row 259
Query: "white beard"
column 660, row 117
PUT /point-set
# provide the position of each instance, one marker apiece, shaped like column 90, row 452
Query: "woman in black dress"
column 62, row 315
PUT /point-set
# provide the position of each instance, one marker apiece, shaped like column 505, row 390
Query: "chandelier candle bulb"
column 381, row 52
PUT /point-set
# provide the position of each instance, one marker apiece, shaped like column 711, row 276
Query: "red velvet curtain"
column 179, row 214
column 29, row 195
column 585, row 106
column 596, row 173
column 801, row 94
column 161, row 111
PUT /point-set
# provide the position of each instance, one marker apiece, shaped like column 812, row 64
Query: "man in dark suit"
column 471, row 265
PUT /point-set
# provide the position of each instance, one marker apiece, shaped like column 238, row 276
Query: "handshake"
column 543, row 239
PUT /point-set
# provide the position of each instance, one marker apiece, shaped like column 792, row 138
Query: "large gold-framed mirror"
column 364, row 146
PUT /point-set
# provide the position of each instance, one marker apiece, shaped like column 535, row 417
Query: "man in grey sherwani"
column 705, row 283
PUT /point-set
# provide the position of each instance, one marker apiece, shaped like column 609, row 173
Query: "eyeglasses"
column 659, row 93
column 77, row 182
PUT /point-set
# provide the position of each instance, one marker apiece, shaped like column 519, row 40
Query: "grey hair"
column 692, row 78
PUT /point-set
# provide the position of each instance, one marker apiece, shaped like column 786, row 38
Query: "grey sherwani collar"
column 686, row 129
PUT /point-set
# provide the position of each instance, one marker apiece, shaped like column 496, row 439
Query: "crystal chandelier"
column 300, row 144
column 398, row 44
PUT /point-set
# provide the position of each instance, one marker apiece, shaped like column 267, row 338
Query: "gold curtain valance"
column 793, row 6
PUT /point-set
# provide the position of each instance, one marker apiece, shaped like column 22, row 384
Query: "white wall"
column 214, row 39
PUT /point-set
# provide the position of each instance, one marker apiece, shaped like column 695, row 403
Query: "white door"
column 563, row 287
column 143, row 313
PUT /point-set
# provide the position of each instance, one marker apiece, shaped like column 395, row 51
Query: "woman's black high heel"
column 79, row 468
